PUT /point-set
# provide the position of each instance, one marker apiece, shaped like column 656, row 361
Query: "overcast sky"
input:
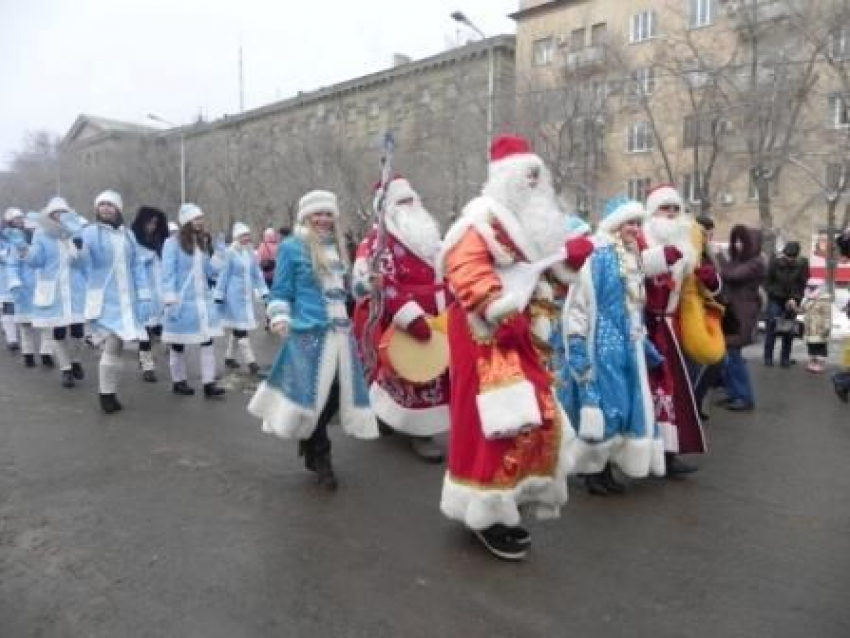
column 175, row 58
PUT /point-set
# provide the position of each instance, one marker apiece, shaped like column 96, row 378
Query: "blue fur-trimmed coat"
column 239, row 280
column 190, row 316
column 118, row 293
column 604, row 383
column 59, row 295
column 319, row 348
column 152, row 264
column 21, row 282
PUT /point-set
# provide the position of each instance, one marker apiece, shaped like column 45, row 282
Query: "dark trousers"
column 319, row 442
column 774, row 313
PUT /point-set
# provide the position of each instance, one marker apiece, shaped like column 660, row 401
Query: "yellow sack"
column 845, row 355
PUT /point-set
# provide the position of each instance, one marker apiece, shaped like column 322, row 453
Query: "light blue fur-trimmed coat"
column 7, row 259
column 59, row 295
column 239, row 280
column 21, row 281
column 118, row 295
column 190, row 316
column 319, row 348
column 152, row 264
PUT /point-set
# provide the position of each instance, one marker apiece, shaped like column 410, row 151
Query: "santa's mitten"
column 512, row 330
column 578, row 250
column 672, row 255
column 707, row 276
column 419, row 329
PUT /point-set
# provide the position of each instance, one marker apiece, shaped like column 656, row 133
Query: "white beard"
column 536, row 209
column 661, row 231
column 414, row 227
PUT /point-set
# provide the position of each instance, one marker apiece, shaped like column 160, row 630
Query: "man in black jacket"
column 787, row 274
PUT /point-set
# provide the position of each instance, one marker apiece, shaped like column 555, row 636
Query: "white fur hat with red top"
column 663, row 195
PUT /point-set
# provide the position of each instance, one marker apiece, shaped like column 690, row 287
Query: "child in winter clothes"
column 817, row 306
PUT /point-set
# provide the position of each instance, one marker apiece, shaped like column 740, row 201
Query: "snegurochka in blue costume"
column 317, row 372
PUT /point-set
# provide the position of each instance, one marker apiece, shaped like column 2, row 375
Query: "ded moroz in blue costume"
column 317, row 372
column 606, row 388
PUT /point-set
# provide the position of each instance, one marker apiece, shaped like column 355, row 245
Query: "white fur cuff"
column 501, row 307
column 654, row 262
column 508, row 411
column 591, row 423
column 407, row 314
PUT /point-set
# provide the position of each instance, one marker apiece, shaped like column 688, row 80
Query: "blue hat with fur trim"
column 618, row 211
column 577, row 227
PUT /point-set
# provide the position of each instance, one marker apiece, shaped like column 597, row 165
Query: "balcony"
column 587, row 59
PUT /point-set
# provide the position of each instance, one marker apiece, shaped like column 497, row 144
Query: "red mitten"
column 672, row 255
column 512, row 330
column 707, row 276
column 419, row 329
column 578, row 250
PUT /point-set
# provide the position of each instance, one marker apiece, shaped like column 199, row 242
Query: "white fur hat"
column 56, row 205
column 620, row 210
column 109, row 197
column 663, row 195
column 240, row 229
column 172, row 227
column 188, row 212
column 13, row 213
column 317, row 201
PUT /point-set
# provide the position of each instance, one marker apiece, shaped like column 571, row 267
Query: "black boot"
column 13, row 347
column 502, row 543
column 232, row 364
column 306, row 451
column 109, row 403
column 68, row 379
column 149, row 376
column 77, row 371
column 29, row 360
column 841, row 383
column 384, row 429
column 212, row 391
column 182, row 388
column 425, row 448
column 253, row 369
column 595, row 484
column 676, row 467
column 325, row 471
column 47, row 360
column 610, row 481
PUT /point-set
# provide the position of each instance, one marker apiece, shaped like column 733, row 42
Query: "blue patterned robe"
column 605, row 371
column 320, row 346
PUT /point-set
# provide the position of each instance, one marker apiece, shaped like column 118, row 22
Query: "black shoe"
column 13, row 347
column 425, row 448
column 768, row 363
column 233, row 364
column 29, row 360
column 212, row 391
column 787, row 364
column 739, row 406
column 841, row 388
column 704, row 416
column 325, row 472
column 501, row 543
column 595, row 484
column 253, row 369
column 68, row 379
column 519, row 534
column 47, row 360
column 109, row 403
column 384, row 429
column 610, row 481
column 309, row 458
column 149, row 376
column 77, row 371
column 182, row 388
column 676, row 467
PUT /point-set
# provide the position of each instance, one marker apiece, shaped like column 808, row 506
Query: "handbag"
column 789, row 326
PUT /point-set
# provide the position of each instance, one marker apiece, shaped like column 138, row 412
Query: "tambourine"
column 416, row 361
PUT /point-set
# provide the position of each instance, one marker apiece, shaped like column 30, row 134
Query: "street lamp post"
column 461, row 17
column 156, row 118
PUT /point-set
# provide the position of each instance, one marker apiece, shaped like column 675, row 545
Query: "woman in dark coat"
column 743, row 271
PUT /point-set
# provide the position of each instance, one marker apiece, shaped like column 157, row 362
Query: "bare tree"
column 35, row 172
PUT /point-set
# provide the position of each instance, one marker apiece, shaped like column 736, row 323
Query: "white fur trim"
column 639, row 457
column 316, row 201
column 670, row 436
column 281, row 416
column 664, row 195
column 55, row 205
column 508, row 410
column 240, row 229
column 413, row 422
column 512, row 163
column 278, row 311
column 407, row 314
column 591, row 425
column 654, row 261
column 627, row 212
column 356, row 421
column 501, row 307
column 12, row 214
column 541, row 328
column 563, row 274
column 399, row 189
column 188, row 212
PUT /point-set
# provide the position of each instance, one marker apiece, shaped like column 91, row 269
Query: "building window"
column 598, row 33
column 705, row 130
column 638, row 188
column 753, row 194
column 702, row 13
column 577, row 40
column 839, row 110
column 543, row 51
column 691, row 187
column 644, row 26
column 640, row 138
column 839, row 44
column 643, row 82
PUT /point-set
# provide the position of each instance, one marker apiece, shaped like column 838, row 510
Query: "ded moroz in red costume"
column 508, row 428
column 412, row 296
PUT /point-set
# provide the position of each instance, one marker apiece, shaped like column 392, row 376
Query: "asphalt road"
column 178, row 517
